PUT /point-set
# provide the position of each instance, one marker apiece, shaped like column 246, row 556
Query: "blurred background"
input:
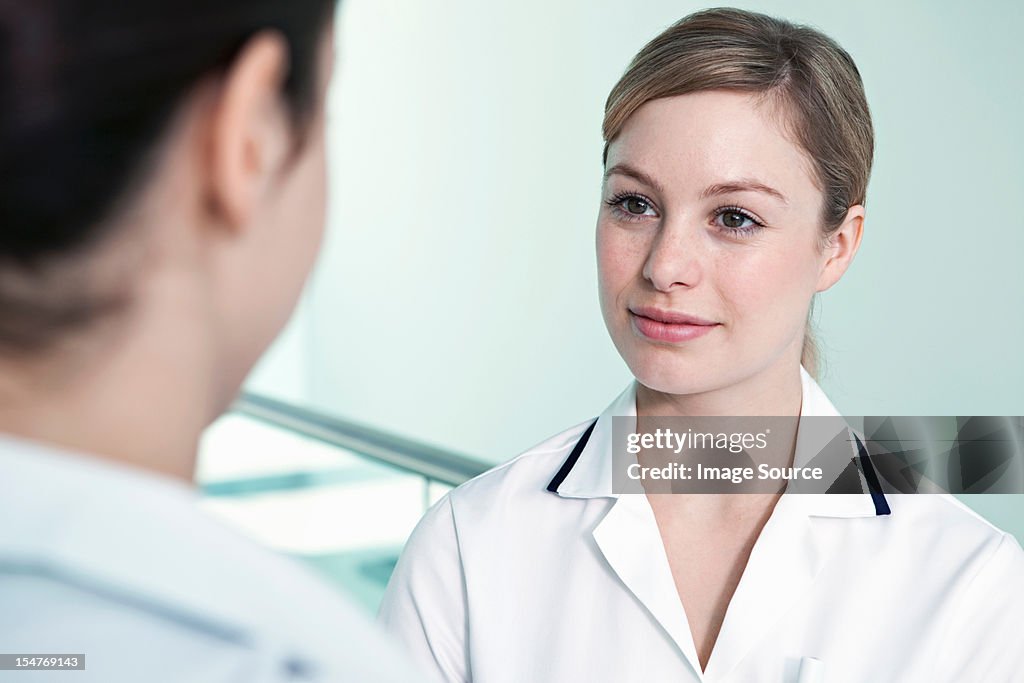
column 453, row 320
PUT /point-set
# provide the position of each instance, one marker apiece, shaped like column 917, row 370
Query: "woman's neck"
column 777, row 390
column 138, row 397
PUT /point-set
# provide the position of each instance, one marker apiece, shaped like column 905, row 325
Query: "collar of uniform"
column 810, row 442
column 590, row 470
column 590, row 475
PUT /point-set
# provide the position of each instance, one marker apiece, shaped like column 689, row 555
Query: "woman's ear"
column 249, row 135
column 842, row 247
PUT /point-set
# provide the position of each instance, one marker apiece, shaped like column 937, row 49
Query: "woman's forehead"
column 703, row 138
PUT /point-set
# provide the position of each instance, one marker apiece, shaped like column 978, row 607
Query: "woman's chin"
column 678, row 378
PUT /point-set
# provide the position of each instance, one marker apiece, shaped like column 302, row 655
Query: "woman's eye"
column 737, row 220
column 632, row 206
column 635, row 205
column 733, row 219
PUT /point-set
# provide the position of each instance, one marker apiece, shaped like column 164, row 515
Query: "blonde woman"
column 738, row 150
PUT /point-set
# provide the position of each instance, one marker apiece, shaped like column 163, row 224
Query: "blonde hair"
column 799, row 69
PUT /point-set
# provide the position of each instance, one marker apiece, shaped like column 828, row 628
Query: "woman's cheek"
column 772, row 297
column 614, row 262
column 623, row 252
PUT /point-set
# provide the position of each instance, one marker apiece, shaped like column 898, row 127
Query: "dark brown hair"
column 86, row 89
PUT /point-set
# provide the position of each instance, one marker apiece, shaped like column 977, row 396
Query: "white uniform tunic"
column 506, row 581
column 121, row 565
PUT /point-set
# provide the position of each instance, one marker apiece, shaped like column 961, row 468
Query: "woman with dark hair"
column 737, row 154
column 162, row 201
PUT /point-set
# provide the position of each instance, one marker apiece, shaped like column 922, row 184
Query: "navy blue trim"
column 874, row 486
column 567, row 466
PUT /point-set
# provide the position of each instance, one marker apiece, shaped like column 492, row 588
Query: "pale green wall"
column 456, row 301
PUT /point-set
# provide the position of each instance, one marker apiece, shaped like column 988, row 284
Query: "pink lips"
column 669, row 326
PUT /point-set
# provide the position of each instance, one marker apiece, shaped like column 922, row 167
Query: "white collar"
column 590, row 475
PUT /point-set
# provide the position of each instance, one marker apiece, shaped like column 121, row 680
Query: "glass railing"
column 339, row 496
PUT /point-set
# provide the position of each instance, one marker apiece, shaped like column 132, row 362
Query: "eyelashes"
column 622, row 202
column 731, row 213
column 635, row 207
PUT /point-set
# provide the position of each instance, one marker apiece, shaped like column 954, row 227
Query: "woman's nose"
column 674, row 259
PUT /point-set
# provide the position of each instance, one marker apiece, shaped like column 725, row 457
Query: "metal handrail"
column 430, row 462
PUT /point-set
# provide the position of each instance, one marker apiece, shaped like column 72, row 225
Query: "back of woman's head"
column 86, row 89
column 810, row 81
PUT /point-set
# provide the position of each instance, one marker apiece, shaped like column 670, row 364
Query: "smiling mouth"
column 669, row 326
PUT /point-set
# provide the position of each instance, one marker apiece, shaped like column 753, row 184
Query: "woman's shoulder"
column 947, row 526
column 940, row 510
column 526, row 474
column 505, row 501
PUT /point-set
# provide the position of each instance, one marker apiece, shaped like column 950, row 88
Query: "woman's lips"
column 669, row 326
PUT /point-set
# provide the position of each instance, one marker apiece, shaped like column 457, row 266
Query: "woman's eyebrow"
column 636, row 174
column 742, row 185
column 738, row 185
